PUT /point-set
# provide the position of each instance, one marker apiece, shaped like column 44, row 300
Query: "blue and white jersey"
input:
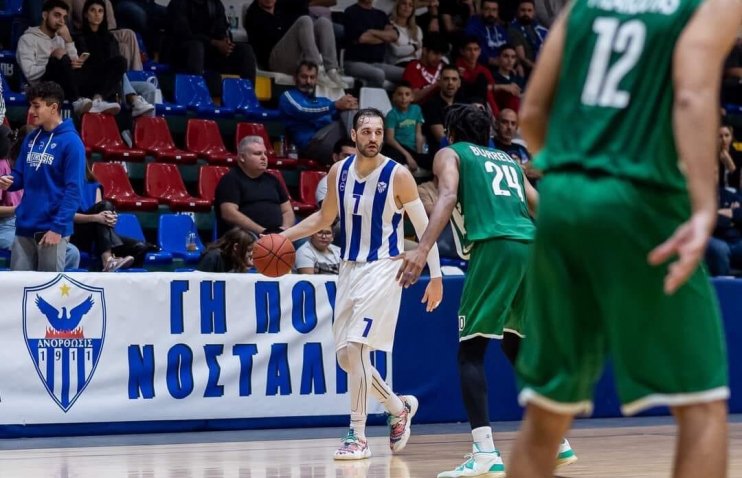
column 371, row 226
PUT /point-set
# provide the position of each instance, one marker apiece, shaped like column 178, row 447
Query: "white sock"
column 358, row 425
column 483, row 439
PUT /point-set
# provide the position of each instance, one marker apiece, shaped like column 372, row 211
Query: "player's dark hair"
column 367, row 113
column 50, row 5
column 48, row 91
column 468, row 123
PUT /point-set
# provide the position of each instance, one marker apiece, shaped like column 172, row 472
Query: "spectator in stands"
column 409, row 43
column 94, row 229
column 47, row 53
column 434, row 109
column 282, row 40
column 50, row 171
column 250, row 198
column 367, row 34
column 724, row 250
column 490, row 32
column 429, row 21
column 422, row 75
column 4, row 130
column 230, row 253
column 403, row 135
column 507, row 127
column 527, row 35
column 727, row 167
column 318, row 255
column 508, row 83
column 315, row 123
column 476, row 79
column 198, row 37
column 147, row 17
column 732, row 84
column 343, row 148
column 547, row 10
column 454, row 15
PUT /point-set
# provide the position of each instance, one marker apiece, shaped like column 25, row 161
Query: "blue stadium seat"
column 191, row 91
column 161, row 109
column 128, row 225
column 11, row 97
column 239, row 95
column 172, row 233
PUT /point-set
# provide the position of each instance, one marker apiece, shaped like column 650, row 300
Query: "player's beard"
column 367, row 150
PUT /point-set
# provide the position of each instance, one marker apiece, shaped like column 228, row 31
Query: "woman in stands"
column 231, row 253
column 409, row 44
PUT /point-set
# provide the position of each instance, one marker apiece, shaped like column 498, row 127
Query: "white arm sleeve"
column 416, row 211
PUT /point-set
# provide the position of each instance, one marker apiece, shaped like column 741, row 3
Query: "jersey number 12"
column 603, row 78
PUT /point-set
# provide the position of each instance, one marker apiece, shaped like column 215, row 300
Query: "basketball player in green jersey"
column 497, row 203
column 622, row 113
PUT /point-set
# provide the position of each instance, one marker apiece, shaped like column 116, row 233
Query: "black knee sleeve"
column 510, row 345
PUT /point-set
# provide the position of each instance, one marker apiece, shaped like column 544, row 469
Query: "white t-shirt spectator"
column 328, row 262
column 321, row 193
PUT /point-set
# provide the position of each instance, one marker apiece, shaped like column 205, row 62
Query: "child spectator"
column 403, row 136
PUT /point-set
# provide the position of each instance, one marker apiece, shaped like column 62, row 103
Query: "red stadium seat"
column 118, row 190
column 308, row 181
column 100, row 133
column 152, row 134
column 257, row 129
column 163, row 182
column 208, row 179
column 204, row 139
column 298, row 206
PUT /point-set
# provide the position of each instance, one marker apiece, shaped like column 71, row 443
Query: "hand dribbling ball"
column 273, row 255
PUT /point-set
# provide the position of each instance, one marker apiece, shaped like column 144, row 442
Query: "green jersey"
column 492, row 195
column 612, row 112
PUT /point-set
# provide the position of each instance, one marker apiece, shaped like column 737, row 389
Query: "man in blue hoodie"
column 312, row 121
column 50, row 169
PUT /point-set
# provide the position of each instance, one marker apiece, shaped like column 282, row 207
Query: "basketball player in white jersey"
column 370, row 193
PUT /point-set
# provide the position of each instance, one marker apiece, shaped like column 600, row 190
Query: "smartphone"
column 84, row 56
column 38, row 236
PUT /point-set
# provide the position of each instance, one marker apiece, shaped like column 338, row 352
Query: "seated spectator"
column 318, row 255
column 490, row 32
column 198, row 37
column 508, row 84
column 282, row 40
column 429, row 21
column 230, row 253
column 727, row 167
column 367, row 34
column 250, row 198
column 724, row 250
column 147, row 17
column 94, row 229
column 4, row 130
column 315, row 123
column 434, row 110
column 527, row 35
column 454, row 15
column 422, row 75
column 403, row 135
column 409, row 43
column 47, row 53
column 476, row 79
column 343, row 148
column 506, row 127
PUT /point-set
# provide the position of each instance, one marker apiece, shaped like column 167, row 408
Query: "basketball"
column 273, row 255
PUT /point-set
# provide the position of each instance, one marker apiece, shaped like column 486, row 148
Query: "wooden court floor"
column 640, row 448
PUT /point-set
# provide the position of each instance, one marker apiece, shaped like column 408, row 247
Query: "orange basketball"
column 273, row 255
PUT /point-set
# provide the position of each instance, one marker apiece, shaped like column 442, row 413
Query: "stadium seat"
column 128, row 225
column 101, row 134
column 298, row 206
column 152, row 134
column 204, row 139
column 172, row 233
column 118, row 190
column 163, row 108
column 11, row 97
column 11, row 8
column 374, row 98
column 308, row 181
column 208, row 179
column 258, row 129
column 163, row 182
column 192, row 92
column 239, row 95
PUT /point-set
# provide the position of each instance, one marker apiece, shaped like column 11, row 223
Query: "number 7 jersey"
column 612, row 112
column 492, row 195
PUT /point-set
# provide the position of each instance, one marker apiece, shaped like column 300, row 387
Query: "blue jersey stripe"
column 393, row 249
column 377, row 214
column 357, row 226
column 342, row 180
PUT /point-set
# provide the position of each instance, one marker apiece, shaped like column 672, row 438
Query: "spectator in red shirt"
column 476, row 79
column 422, row 75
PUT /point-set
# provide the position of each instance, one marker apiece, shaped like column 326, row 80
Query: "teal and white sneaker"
column 480, row 464
column 399, row 425
column 353, row 448
column 566, row 455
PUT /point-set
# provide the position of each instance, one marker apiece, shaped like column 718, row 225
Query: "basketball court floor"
column 616, row 448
